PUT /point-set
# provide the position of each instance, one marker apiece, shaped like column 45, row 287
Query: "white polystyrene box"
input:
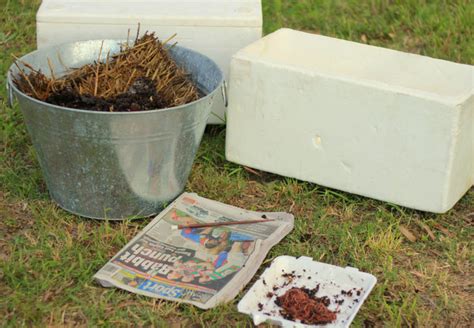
column 380, row 123
column 216, row 28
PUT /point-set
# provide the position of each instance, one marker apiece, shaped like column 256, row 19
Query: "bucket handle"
column 224, row 93
column 9, row 95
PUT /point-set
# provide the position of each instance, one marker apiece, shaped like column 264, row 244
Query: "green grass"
column 48, row 257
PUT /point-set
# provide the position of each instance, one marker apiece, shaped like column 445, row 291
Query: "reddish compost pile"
column 140, row 77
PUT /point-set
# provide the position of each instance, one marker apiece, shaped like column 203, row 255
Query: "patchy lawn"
column 423, row 262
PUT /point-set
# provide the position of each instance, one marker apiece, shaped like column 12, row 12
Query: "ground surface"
column 48, row 256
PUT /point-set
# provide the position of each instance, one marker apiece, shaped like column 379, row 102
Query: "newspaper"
column 200, row 266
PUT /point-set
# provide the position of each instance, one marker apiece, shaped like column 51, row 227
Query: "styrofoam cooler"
column 216, row 28
column 385, row 124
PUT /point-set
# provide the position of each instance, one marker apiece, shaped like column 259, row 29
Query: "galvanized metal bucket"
column 116, row 165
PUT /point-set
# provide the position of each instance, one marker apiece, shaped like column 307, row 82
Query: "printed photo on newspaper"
column 202, row 266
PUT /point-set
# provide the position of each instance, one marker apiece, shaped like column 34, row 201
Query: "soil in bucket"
column 141, row 77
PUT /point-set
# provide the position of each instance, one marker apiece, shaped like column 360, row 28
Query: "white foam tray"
column 331, row 279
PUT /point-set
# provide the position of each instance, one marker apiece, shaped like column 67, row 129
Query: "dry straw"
column 147, row 58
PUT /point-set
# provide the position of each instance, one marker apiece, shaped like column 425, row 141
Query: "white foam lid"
column 331, row 280
column 237, row 13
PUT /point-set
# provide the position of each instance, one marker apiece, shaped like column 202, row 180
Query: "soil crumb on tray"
column 301, row 304
column 140, row 77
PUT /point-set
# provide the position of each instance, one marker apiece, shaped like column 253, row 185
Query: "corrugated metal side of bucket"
column 118, row 165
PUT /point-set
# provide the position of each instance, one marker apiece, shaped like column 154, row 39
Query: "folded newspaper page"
column 200, row 266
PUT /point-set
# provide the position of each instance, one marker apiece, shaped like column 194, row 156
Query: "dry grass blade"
column 248, row 169
column 169, row 39
column 18, row 60
column 427, row 229
column 51, row 69
column 407, row 233
column 20, row 82
column 444, row 230
column 96, row 85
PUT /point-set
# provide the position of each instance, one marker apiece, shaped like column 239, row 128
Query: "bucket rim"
column 13, row 87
